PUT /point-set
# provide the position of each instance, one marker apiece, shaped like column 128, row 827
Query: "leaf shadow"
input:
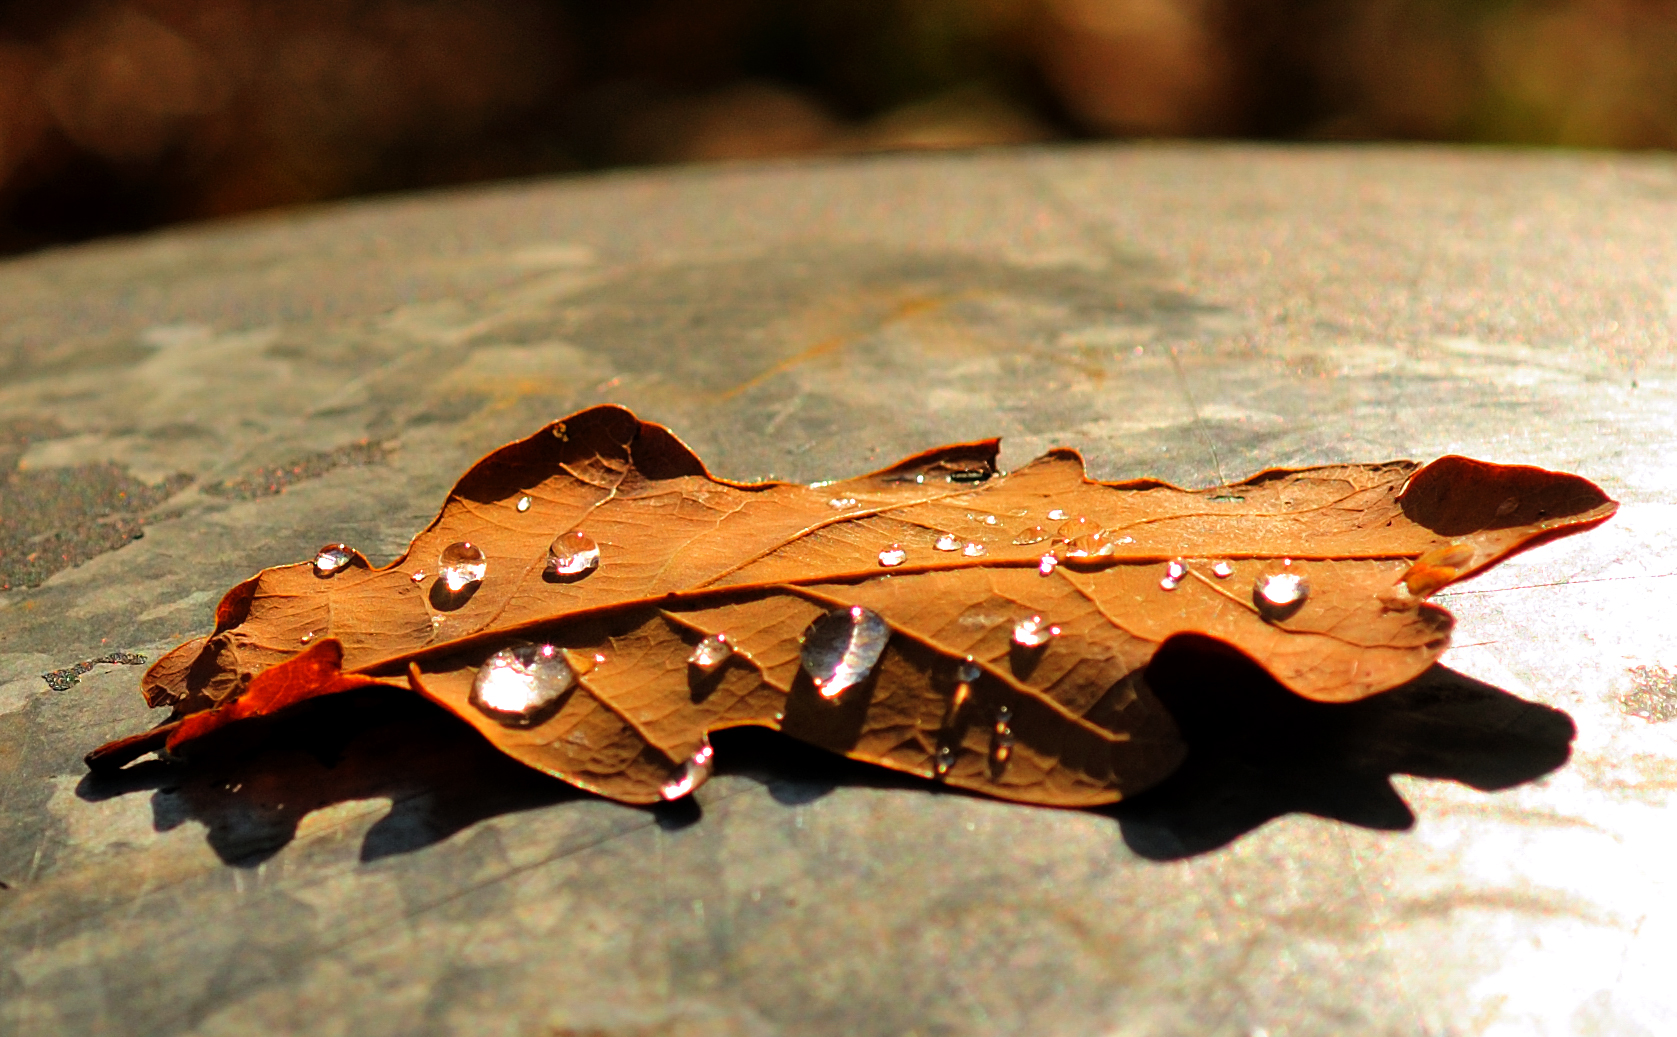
column 1257, row 752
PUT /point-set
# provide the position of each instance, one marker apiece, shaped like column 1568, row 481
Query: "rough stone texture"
column 1424, row 863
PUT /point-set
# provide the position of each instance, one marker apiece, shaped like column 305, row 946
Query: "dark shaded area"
column 1257, row 752
column 57, row 518
column 117, row 115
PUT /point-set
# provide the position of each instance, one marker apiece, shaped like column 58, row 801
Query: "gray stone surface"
column 1427, row 863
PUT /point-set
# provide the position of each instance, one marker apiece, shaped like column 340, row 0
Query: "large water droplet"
column 1174, row 573
column 461, row 564
column 1046, row 565
column 973, row 550
column 1222, row 570
column 332, row 558
column 1034, row 535
column 710, row 653
column 1001, row 742
column 524, row 504
column 519, row 685
column 948, row 542
column 1034, row 632
column 842, row 647
column 892, row 556
column 1279, row 595
column 1057, row 515
column 693, row 773
column 572, row 554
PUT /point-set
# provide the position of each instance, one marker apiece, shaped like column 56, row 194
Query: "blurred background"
column 118, row 116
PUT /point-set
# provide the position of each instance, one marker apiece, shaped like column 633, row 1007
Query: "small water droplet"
column 306, row 638
column 1033, row 632
column 1222, row 570
column 331, row 559
column 920, row 479
column 1507, row 507
column 973, row 550
column 944, row 761
column 1098, row 544
column 519, row 685
column 892, row 556
column 572, row 554
column 524, row 504
column 693, row 773
column 710, row 653
column 968, row 671
column 1071, row 529
column 1174, row 572
column 461, row 564
column 418, row 576
column 948, row 542
column 840, row 503
column 841, row 648
column 1046, row 565
column 1279, row 595
column 1057, row 515
column 1034, row 535
column 1001, row 742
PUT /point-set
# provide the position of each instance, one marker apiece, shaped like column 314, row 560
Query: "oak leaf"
column 596, row 603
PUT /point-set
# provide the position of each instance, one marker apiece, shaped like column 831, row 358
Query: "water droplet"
column 945, row 758
column 1057, row 515
column 1507, row 507
column 1174, row 572
column 332, row 558
column 948, row 542
column 1046, row 565
column 306, row 638
column 461, row 564
column 920, row 479
column 1001, row 742
column 572, row 554
column 973, row 550
column 892, row 556
column 418, row 576
column 1430, row 572
column 991, row 520
column 519, row 685
column 840, row 503
column 842, row 647
column 1071, row 529
column 693, row 773
column 1222, row 570
column 1279, row 595
column 710, row 653
column 1033, row 632
column 1034, row 535
column 524, row 504
column 968, row 671
column 1098, row 544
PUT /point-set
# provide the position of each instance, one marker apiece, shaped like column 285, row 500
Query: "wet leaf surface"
column 989, row 630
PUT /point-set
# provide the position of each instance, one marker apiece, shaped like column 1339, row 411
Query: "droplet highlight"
column 973, row 550
column 948, row 542
column 892, row 556
column 1222, row 570
column 524, row 504
column 572, row 554
column 841, row 648
column 1034, row 535
column 306, row 638
column 461, row 564
column 418, row 576
column 1001, row 742
column 332, row 559
column 1174, row 574
column 1280, row 595
column 520, row 685
column 1046, row 565
column 1057, row 515
column 710, row 653
column 1034, row 632
column 695, row 772
column 841, row 503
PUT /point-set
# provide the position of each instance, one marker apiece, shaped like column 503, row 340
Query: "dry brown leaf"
column 1346, row 554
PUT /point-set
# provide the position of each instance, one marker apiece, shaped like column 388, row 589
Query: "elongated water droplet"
column 842, row 648
column 1001, row 742
column 892, row 556
column 710, row 653
column 1034, row 535
column 1222, row 570
column 1046, row 565
column 693, row 773
column 1279, row 595
column 1057, row 515
column 332, row 558
column 948, row 542
column 841, row 503
column 518, row 686
column 572, row 554
column 524, row 504
column 1034, row 632
column 1174, row 572
column 461, row 564
column 973, row 550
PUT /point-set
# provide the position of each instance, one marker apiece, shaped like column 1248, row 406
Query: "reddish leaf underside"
column 685, row 555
